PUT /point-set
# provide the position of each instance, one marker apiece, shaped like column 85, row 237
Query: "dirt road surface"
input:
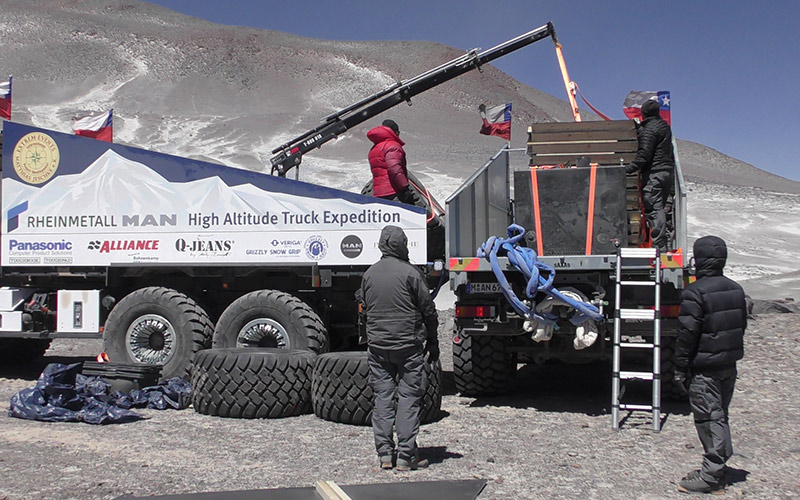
column 550, row 438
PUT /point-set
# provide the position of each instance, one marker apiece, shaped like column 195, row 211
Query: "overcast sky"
column 732, row 66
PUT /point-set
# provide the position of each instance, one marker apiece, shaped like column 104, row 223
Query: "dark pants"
column 709, row 396
column 655, row 193
column 403, row 372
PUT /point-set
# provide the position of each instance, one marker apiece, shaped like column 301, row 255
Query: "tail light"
column 671, row 311
column 475, row 311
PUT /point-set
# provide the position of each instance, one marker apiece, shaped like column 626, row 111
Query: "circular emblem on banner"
column 35, row 157
column 352, row 246
column 316, row 247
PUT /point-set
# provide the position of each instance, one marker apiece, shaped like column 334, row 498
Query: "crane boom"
column 290, row 154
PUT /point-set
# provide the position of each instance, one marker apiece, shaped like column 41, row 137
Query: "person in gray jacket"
column 401, row 327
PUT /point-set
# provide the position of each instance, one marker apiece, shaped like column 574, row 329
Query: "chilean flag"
column 632, row 107
column 5, row 99
column 97, row 127
column 496, row 121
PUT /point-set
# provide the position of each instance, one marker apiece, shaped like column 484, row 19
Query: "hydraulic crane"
column 290, row 154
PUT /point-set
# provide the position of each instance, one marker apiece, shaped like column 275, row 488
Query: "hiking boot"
column 697, row 484
column 386, row 462
column 404, row 465
column 691, row 475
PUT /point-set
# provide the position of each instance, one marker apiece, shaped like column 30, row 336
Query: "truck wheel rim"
column 263, row 332
column 150, row 340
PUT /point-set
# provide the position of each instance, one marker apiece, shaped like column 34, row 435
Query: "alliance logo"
column 351, row 246
column 13, row 215
column 316, row 247
column 219, row 247
column 122, row 245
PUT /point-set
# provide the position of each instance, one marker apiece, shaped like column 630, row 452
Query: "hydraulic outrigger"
column 289, row 155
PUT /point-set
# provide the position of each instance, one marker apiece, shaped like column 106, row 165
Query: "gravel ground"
column 551, row 438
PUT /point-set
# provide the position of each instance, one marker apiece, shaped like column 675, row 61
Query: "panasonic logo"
column 21, row 246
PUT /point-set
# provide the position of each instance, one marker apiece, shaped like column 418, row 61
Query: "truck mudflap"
column 538, row 315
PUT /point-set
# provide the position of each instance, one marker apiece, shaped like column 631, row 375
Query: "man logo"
column 352, row 246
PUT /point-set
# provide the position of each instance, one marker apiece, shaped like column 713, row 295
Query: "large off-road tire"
column 269, row 318
column 669, row 388
column 435, row 229
column 252, row 383
column 22, row 351
column 480, row 365
column 340, row 390
column 157, row 326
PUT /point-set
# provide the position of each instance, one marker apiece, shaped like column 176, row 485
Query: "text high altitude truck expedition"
column 163, row 256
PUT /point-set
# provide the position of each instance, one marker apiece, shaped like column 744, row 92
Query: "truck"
column 567, row 198
column 162, row 256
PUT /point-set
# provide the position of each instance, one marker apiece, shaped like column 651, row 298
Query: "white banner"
column 120, row 212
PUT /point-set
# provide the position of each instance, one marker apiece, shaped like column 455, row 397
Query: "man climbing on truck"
column 656, row 161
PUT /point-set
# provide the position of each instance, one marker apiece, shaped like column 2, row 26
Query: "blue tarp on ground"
column 63, row 394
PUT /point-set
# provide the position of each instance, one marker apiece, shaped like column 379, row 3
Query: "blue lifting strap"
column 524, row 260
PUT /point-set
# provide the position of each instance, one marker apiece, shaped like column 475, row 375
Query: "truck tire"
column 22, row 351
column 269, row 318
column 252, row 383
column 480, row 365
column 157, row 326
column 669, row 389
column 340, row 389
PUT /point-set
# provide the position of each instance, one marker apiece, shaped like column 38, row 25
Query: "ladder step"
column 642, row 253
column 637, row 283
column 639, row 345
column 637, row 313
column 636, row 375
column 636, row 407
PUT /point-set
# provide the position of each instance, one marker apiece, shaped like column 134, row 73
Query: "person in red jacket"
column 387, row 160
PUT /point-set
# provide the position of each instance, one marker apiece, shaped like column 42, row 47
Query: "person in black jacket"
column 656, row 161
column 713, row 318
column 401, row 326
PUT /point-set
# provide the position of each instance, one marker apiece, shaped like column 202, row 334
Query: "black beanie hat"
column 392, row 125
column 650, row 108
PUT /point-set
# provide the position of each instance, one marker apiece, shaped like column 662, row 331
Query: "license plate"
column 483, row 288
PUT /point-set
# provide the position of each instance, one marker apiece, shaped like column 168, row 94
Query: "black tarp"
column 63, row 394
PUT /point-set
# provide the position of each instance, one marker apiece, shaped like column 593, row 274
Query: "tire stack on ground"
column 341, row 392
column 252, row 382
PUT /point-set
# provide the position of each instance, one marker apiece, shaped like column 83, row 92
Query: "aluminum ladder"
column 622, row 314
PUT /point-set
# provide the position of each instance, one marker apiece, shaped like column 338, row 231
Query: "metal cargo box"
column 572, row 211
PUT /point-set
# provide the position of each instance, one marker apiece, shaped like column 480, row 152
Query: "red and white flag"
column 632, row 107
column 5, row 99
column 98, row 127
column 496, row 121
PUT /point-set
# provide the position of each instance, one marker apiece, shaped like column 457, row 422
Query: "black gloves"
column 432, row 349
column 408, row 196
column 681, row 377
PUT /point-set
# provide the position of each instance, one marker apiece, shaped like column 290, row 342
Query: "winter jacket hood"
column 383, row 133
column 710, row 255
column 393, row 242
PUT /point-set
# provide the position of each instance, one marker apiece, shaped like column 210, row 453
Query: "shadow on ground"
column 562, row 387
column 32, row 370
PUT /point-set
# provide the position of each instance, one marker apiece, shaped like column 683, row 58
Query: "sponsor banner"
column 262, row 248
column 123, row 205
